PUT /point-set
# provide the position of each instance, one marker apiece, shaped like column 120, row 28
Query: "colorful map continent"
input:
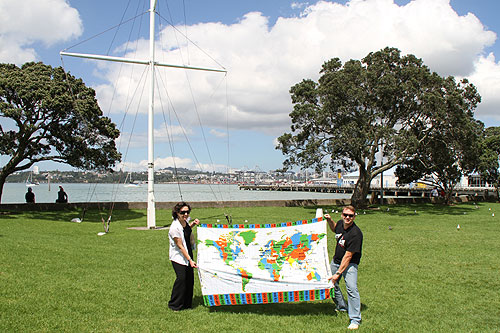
column 292, row 250
column 229, row 248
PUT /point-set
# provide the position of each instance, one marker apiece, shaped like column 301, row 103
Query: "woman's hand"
column 195, row 222
column 192, row 264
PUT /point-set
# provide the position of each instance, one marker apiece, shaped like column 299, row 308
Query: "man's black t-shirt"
column 348, row 240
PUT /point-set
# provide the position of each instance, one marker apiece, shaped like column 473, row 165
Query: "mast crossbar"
column 136, row 61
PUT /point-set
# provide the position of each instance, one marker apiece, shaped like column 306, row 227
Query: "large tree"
column 452, row 145
column 359, row 111
column 49, row 115
column 490, row 156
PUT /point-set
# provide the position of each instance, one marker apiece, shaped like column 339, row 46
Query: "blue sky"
column 266, row 46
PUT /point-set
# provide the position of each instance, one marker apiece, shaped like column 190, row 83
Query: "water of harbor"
column 14, row 193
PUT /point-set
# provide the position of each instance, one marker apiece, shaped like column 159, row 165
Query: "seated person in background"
column 30, row 196
column 62, row 197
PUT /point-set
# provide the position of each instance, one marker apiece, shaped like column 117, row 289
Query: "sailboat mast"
column 151, row 214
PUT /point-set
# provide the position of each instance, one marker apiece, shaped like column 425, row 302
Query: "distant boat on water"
column 130, row 183
column 29, row 180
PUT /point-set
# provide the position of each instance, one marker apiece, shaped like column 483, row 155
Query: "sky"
column 218, row 121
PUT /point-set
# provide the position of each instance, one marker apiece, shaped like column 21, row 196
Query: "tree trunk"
column 3, row 177
column 358, row 198
column 448, row 193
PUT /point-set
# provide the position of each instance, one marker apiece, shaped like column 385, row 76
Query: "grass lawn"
column 419, row 275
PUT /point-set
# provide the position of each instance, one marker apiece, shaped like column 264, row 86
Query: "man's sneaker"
column 353, row 326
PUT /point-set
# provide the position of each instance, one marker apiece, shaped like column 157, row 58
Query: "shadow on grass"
column 409, row 209
column 9, row 215
column 91, row 216
column 434, row 209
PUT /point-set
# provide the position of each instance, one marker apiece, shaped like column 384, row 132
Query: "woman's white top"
column 174, row 253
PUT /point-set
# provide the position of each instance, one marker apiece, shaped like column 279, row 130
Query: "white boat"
column 129, row 183
column 29, row 181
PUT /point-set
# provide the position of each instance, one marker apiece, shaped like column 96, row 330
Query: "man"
column 345, row 263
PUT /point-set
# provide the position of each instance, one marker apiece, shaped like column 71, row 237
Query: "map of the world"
column 265, row 263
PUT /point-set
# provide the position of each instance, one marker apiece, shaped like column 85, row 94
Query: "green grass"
column 423, row 275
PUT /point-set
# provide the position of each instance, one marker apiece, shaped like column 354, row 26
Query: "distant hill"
column 163, row 175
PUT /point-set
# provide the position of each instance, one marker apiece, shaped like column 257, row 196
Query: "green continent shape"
column 248, row 236
column 245, row 277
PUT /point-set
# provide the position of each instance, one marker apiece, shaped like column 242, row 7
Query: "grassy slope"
column 423, row 275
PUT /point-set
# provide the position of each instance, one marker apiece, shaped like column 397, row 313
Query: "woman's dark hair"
column 177, row 208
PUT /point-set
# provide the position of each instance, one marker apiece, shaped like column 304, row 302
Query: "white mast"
column 151, row 212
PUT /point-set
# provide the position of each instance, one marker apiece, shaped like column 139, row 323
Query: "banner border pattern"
column 266, row 298
column 271, row 297
column 260, row 226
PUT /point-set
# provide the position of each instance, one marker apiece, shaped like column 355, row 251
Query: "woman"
column 181, row 255
column 62, row 197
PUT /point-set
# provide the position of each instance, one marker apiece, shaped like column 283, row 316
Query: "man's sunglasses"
column 184, row 212
column 348, row 215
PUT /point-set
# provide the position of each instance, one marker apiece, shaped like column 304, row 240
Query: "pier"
column 387, row 191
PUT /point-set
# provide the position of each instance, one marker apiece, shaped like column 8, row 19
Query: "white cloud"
column 160, row 163
column 264, row 61
column 166, row 162
column 170, row 162
column 486, row 77
column 27, row 22
column 218, row 134
column 140, row 139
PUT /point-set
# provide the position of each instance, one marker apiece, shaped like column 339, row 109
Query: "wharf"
column 387, row 191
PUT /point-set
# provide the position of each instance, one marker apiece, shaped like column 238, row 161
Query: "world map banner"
column 263, row 263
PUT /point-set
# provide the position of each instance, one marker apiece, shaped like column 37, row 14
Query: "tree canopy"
column 490, row 157
column 451, row 146
column 51, row 115
column 383, row 107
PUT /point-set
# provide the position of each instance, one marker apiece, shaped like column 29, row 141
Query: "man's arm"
column 346, row 259
column 331, row 223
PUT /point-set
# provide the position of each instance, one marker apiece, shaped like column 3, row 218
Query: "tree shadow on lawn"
column 91, row 216
column 434, row 209
column 9, row 215
column 404, row 209
column 279, row 309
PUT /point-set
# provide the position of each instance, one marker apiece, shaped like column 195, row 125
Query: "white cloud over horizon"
column 171, row 162
column 264, row 61
column 486, row 77
column 26, row 23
